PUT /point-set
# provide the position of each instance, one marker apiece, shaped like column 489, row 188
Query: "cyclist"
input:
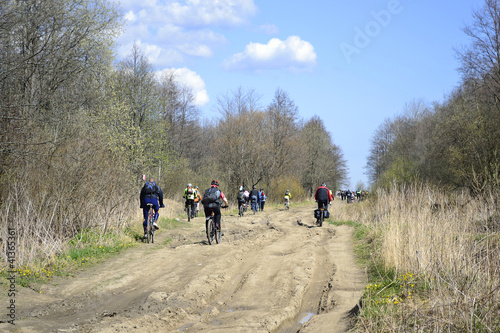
column 263, row 198
column 246, row 195
column 288, row 196
column 197, row 200
column 241, row 197
column 323, row 196
column 190, row 195
column 254, row 198
column 151, row 193
column 213, row 205
column 349, row 196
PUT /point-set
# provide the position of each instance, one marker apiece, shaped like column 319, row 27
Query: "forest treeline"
column 455, row 143
column 79, row 127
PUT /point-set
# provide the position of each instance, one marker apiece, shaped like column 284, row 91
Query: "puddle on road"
column 294, row 325
column 306, row 317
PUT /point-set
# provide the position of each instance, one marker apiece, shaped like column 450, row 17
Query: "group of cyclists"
column 351, row 196
column 193, row 197
column 152, row 193
column 256, row 198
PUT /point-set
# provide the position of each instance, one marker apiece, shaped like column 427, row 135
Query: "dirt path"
column 273, row 272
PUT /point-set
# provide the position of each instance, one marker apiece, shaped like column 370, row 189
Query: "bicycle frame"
column 243, row 208
column 321, row 217
column 150, row 230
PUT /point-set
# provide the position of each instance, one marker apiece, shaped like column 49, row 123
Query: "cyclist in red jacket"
column 323, row 196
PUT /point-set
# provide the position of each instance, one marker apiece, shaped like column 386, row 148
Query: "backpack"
column 211, row 196
column 240, row 196
column 149, row 188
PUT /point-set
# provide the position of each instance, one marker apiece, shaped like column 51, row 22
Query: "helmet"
column 261, row 189
column 254, row 187
column 196, row 187
column 323, row 184
column 241, row 188
column 214, row 182
column 189, row 185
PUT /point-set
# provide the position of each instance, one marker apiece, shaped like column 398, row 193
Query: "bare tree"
column 52, row 53
column 480, row 62
column 177, row 108
column 325, row 161
column 55, row 56
column 137, row 85
column 282, row 135
column 238, row 144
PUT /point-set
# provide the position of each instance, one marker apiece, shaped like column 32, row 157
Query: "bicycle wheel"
column 241, row 210
column 321, row 217
column 287, row 205
column 188, row 209
column 218, row 233
column 149, row 230
column 210, row 230
column 152, row 235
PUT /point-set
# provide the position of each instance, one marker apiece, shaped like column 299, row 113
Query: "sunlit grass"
column 86, row 249
column 433, row 260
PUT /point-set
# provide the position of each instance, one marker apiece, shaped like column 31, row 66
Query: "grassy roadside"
column 433, row 261
column 86, row 249
column 388, row 290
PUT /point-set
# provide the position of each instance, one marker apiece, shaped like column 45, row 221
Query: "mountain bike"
column 243, row 208
column 319, row 220
column 213, row 233
column 320, row 214
column 150, row 230
column 188, row 210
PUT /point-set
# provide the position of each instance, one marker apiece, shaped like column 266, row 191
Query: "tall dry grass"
column 452, row 242
column 48, row 202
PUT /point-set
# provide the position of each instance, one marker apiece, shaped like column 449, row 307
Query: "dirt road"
column 273, row 272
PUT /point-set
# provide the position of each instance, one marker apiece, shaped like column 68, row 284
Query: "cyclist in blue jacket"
column 151, row 193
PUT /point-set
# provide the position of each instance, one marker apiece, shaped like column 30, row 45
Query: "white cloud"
column 292, row 54
column 130, row 16
column 197, row 43
column 209, row 12
column 268, row 29
column 157, row 56
column 191, row 79
column 182, row 27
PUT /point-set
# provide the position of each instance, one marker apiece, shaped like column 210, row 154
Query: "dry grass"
column 451, row 242
column 46, row 205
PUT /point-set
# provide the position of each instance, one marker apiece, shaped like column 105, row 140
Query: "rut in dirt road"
column 273, row 272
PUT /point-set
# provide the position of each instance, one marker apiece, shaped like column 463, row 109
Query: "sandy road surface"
column 273, row 272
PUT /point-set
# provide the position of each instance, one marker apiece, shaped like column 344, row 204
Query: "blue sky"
column 352, row 63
